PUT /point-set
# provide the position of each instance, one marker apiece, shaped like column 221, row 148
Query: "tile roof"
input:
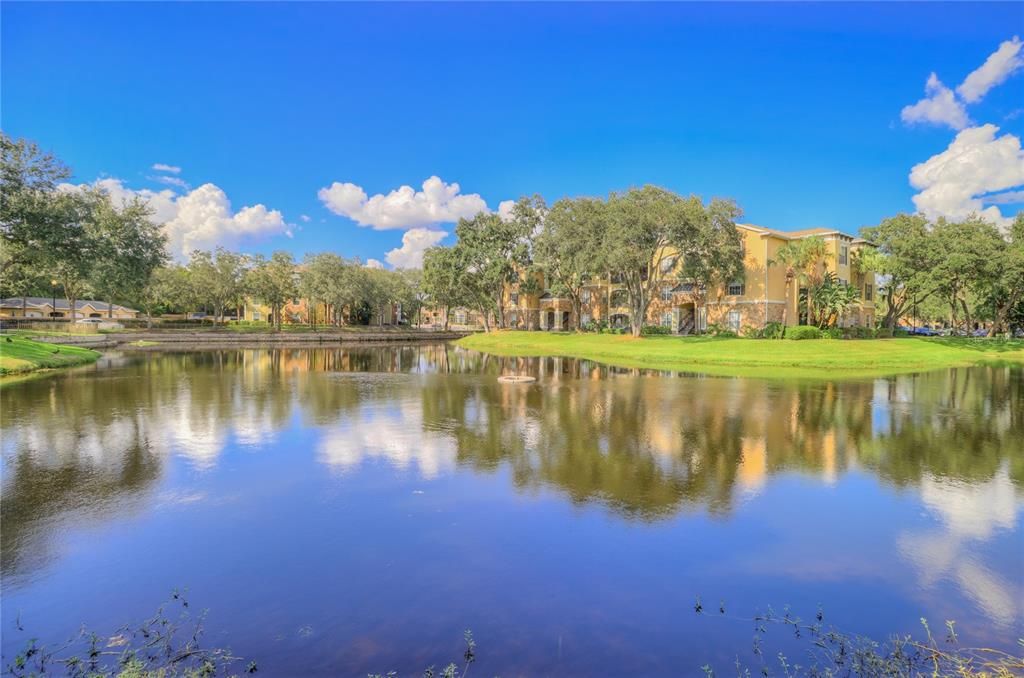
column 803, row 233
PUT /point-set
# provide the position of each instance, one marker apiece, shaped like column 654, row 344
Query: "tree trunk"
column 71, row 307
column 446, row 310
column 638, row 309
column 500, row 320
column 785, row 306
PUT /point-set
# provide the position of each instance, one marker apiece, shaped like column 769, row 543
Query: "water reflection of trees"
column 641, row 443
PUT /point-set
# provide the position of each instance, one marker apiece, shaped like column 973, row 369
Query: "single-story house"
column 43, row 308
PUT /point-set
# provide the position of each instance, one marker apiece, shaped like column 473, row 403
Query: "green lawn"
column 756, row 357
column 22, row 354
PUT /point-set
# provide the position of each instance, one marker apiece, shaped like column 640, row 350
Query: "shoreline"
column 814, row 359
column 156, row 338
column 22, row 356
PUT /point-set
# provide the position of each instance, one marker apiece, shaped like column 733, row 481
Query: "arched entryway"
column 549, row 320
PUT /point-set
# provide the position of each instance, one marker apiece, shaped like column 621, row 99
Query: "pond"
column 342, row 511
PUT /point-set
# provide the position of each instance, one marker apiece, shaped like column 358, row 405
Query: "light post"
column 53, row 307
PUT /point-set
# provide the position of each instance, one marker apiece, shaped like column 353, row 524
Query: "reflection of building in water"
column 642, row 445
column 753, row 466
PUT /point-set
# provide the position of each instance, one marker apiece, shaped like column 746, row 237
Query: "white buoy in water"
column 516, row 379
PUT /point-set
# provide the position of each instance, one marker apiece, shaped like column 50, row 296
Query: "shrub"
column 716, row 330
column 833, row 333
column 883, row 333
column 898, row 332
column 655, row 329
column 803, row 332
column 772, row 330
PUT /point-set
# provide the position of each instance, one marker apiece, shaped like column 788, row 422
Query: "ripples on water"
column 381, row 500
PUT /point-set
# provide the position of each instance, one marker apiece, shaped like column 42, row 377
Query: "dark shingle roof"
column 16, row 302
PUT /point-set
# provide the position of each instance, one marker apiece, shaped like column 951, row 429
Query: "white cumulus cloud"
column 505, row 209
column 199, row 219
column 939, row 106
column 414, row 242
column 404, row 207
column 171, row 181
column 999, row 66
column 1008, row 198
column 161, row 167
column 374, row 263
column 979, row 161
column 943, row 106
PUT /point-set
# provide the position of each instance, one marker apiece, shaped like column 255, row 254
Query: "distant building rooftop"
column 795, row 235
column 62, row 304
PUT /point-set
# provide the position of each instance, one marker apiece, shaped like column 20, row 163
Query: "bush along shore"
column 732, row 356
column 20, row 354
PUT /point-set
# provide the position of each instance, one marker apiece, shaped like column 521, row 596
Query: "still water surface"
column 345, row 511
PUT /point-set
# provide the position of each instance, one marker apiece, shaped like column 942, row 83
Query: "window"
column 686, row 287
column 584, row 319
column 734, row 321
column 667, row 263
column 666, row 293
column 844, row 255
column 844, row 283
column 513, row 319
column 585, row 296
column 255, row 315
column 736, row 289
column 666, row 319
column 867, row 292
column 460, row 317
column 514, row 298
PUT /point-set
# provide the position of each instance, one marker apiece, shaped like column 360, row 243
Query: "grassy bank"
column 755, row 357
column 22, row 354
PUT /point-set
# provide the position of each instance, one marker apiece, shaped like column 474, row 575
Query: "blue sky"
column 792, row 110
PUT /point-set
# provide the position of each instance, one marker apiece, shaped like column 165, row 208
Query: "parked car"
column 89, row 321
column 980, row 332
column 924, row 332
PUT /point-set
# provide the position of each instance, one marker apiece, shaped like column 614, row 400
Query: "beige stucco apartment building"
column 751, row 301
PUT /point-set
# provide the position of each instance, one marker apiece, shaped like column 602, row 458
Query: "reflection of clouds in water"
column 194, row 433
column 973, row 510
column 175, row 423
column 396, row 434
column 971, row 513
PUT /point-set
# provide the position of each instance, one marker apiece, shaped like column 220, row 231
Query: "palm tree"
column 791, row 257
column 815, row 251
column 800, row 259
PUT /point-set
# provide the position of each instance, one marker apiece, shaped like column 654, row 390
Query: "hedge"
column 803, row 332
